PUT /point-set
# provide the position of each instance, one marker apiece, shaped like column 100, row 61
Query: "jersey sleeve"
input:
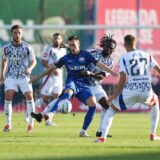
column 31, row 54
column 45, row 54
column 91, row 58
column 4, row 53
column 153, row 62
column 61, row 62
column 122, row 65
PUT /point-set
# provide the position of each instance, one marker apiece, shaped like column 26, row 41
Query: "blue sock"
column 63, row 96
column 89, row 117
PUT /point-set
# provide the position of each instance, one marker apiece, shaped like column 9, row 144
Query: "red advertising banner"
column 124, row 13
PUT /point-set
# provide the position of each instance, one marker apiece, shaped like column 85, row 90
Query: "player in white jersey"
column 96, row 74
column 52, row 84
column 16, row 72
column 134, row 87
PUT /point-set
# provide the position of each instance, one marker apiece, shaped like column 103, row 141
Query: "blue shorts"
column 80, row 90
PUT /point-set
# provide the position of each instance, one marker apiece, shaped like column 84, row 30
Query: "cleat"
column 7, row 128
column 50, row 123
column 99, row 134
column 84, row 134
column 38, row 116
column 26, row 117
column 30, row 129
column 154, row 137
column 100, row 140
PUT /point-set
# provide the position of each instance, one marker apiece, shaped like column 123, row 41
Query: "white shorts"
column 98, row 91
column 127, row 99
column 15, row 83
column 52, row 85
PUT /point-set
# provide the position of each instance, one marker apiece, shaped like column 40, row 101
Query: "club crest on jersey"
column 81, row 59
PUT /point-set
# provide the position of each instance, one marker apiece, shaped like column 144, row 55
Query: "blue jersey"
column 75, row 64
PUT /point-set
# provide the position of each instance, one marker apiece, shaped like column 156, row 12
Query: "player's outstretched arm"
column 46, row 72
column 122, row 81
column 106, row 68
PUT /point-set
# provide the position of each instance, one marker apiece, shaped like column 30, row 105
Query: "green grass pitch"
column 130, row 139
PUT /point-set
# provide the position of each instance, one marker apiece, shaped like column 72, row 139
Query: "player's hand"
column 56, row 72
column 28, row 71
column 103, row 73
column 98, row 76
column 84, row 73
column 34, row 79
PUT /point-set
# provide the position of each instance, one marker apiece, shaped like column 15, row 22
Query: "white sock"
column 154, row 118
column 107, row 121
column 30, row 108
column 8, row 112
column 102, row 114
column 39, row 102
column 48, row 108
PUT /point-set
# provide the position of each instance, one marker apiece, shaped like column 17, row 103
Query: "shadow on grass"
column 139, row 156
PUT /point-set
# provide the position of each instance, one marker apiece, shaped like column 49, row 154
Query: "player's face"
column 108, row 48
column 74, row 46
column 17, row 35
column 57, row 40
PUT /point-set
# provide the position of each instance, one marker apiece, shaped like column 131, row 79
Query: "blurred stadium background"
column 89, row 19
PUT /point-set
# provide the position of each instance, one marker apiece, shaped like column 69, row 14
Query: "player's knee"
column 28, row 95
column 104, row 103
column 91, row 101
column 70, row 91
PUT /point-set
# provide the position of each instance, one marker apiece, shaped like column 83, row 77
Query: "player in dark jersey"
column 76, row 61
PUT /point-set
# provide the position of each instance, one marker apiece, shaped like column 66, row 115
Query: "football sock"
column 62, row 97
column 154, row 118
column 89, row 117
column 48, row 107
column 30, row 108
column 102, row 114
column 8, row 112
column 39, row 102
column 107, row 121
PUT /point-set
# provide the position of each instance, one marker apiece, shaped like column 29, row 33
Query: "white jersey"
column 52, row 84
column 52, row 54
column 18, row 58
column 137, row 64
column 97, row 53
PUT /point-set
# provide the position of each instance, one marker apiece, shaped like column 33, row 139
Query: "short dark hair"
column 16, row 26
column 107, row 39
column 56, row 34
column 129, row 39
column 73, row 38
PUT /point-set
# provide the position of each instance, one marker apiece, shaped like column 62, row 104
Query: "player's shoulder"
column 25, row 44
column 94, row 50
column 7, row 45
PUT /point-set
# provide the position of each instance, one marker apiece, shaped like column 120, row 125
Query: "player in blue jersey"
column 96, row 74
column 75, row 62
